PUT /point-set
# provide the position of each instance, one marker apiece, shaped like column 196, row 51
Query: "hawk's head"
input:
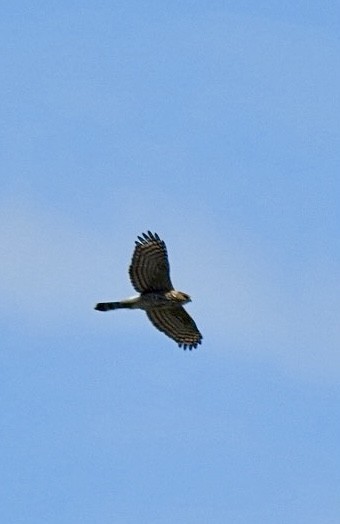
column 181, row 297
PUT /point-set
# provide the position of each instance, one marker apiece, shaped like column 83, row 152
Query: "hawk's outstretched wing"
column 149, row 269
column 177, row 324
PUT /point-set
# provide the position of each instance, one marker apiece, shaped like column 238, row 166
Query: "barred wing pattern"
column 177, row 324
column 149, row 269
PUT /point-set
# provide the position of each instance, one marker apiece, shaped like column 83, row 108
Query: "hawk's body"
column 150, row 275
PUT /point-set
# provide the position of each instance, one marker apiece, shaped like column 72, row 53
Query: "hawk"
column 150, row 276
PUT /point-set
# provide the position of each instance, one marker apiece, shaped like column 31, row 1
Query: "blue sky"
column 215, row 124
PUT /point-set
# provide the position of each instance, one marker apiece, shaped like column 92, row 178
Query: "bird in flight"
column 150, row 275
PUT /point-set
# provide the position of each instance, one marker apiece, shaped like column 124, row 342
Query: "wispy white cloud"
column 53, row 269
column 48, row 265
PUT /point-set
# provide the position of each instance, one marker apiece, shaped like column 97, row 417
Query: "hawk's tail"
column 107, row 306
